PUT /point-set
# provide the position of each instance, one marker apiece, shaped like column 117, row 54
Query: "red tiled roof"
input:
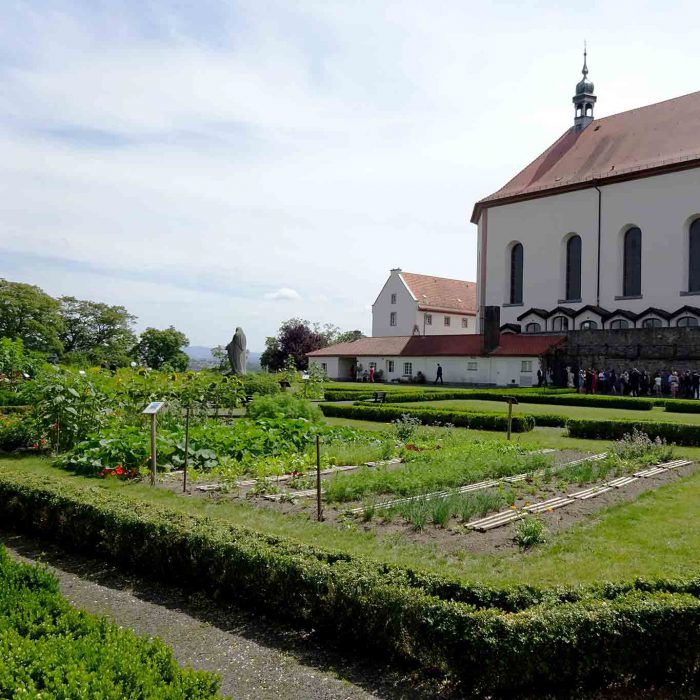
column 441, row 345
column 441, row 293
column 389, row 345
column 662, row 136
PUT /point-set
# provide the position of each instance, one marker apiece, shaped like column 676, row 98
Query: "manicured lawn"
column 589, row 412
column 657, row 535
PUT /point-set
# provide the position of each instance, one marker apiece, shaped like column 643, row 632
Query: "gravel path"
column 256, row 658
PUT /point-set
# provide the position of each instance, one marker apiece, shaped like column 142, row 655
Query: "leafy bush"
column 529, row 531
column 50, row 650
column 676, row 433
column 495, row 640
column 18, row 430
column 260, row 383
column 284, row 405
column 405, row 427
column 431, row 416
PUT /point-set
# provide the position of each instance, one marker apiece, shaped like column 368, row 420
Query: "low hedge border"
column 596, row 401
column 430, row 416
column 559, row 638
column 677, row 433
column 682, row 406
column 51, row 650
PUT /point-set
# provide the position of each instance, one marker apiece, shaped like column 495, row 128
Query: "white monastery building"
column 420, row 322
column 411, row 304
column 602, row 230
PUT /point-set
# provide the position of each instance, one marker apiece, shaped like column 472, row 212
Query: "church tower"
column 584, row 99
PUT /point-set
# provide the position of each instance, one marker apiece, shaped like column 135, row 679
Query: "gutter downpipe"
column 597, row 293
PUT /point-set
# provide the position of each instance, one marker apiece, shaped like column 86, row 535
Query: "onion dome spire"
column 584, row 99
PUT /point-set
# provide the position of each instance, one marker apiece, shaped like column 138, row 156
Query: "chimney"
column 490, row 329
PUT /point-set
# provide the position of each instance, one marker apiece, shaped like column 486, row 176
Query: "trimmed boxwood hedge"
column 50, row 650
column 682, row 406
column 492, row 640
column 525, row 396
column 430, row 416
column 678, row 433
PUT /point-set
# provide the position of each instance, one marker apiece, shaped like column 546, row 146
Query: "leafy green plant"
column 405, row 427
column 283, row 405
column 530, row 531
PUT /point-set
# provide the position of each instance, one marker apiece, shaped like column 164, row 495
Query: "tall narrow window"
column 392, row 318
column 694, row 257
column 632, row 265
column 516, row 274
column 573, row 268
column 560, row 323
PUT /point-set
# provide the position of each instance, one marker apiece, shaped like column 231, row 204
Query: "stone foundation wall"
column 648, row 349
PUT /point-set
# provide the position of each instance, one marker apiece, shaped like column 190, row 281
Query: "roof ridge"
column 643, row 107
column 438, row 277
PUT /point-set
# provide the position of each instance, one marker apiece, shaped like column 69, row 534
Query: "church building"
column 602, row 230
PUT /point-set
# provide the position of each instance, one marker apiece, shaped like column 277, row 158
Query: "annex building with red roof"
column 602, row 230
column 416, row 304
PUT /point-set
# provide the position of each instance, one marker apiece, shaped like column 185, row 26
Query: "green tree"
column 162, row 349
column 28, row 313
column 347, row 337
column 95, row 330
column 294, row 339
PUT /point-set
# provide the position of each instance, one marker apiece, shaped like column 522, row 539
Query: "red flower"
column 35, row 446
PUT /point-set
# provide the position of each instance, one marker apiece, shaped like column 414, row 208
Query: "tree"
column 28, row 313
column 294, row 339
column 99, row 331
column 162, row 349
column 348, row 337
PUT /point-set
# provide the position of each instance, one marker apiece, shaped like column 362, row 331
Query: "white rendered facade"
column 495, row 370
column 396, row 312
column 662, row 206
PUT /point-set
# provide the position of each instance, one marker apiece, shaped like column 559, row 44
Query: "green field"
column 657, row 535
column 657, row 414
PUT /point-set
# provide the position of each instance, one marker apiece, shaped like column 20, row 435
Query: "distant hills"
column 200, row 356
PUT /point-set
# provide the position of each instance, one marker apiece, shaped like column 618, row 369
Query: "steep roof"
column 441, row 293
column 441, row 345
column 641, row 142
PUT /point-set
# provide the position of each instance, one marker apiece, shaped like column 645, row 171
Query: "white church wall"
column 662, row 207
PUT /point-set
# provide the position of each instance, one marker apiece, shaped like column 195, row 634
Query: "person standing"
column 438, row 378
column 371, row 374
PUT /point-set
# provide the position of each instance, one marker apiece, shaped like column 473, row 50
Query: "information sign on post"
column 152, row 410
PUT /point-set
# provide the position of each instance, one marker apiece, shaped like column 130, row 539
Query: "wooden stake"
column 187, row 450
column 153, row 449
column 510, row 417
column 319, row 509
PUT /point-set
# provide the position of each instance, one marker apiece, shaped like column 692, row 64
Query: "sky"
column 217, row 164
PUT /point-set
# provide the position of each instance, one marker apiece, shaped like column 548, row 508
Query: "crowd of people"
column 635, row 382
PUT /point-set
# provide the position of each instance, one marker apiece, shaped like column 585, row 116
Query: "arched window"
column 687, row 321
column 560, row 323
column 632, row 264
column 573, row 268
column 516, row 274
column 588, row 326
column 533, row 327
column 652, row 323
column 694, row 257
column 619, row 323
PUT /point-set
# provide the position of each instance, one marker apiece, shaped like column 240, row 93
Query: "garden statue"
column 236, row 350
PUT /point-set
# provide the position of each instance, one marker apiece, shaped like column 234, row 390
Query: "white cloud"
column 283, row 294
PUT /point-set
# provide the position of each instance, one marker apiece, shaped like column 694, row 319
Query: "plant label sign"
column 153, row 407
